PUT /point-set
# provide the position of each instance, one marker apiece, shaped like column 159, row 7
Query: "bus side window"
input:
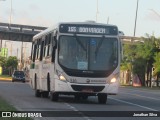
column 49, row 45
column 44, row 47
column 54, row 46
column 38, row 48
column 34, row 51
column 42, row 50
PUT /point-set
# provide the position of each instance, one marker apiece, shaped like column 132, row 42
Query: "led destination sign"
column 88, row 29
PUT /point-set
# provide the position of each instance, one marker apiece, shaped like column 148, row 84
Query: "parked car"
column 18, row 76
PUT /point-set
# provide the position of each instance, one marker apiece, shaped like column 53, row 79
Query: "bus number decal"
column 71, row 29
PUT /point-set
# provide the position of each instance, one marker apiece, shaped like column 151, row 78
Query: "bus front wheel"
column 45, row 94
column 54, row 96
column 102, row 98
column 37, row 93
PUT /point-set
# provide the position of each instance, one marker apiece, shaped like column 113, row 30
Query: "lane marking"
column 71, row 107
column 142, row 96
column 142, row 90
column 133, row 104
column 81, row 113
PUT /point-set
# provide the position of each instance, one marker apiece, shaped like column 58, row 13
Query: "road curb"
column 5, row 79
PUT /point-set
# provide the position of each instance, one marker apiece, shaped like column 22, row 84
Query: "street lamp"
column 136, row 18
column 10, row 20
column 97, row 12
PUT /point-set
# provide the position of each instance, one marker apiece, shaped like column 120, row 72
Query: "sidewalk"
column 9, row 79
column 5, row 78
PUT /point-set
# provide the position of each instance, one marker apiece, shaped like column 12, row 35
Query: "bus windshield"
column 88, row 53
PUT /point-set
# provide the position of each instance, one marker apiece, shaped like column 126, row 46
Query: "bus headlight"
column 113, row 80
column 61, row 77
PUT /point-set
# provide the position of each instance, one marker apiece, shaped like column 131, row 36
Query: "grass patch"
column 4, row 106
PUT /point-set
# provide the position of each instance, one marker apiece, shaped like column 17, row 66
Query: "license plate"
column 87, row 90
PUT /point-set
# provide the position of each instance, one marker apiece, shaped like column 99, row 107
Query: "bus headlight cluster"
column 60, row 76
column 113, row 80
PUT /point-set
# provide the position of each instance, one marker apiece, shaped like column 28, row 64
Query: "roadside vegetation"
column 5, row 76
column 8, row 64
column 4, row 106
column 143, row 59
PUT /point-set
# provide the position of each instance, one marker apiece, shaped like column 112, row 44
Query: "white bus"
column 76, row 58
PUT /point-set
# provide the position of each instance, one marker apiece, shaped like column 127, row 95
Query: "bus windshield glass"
column 88, row 53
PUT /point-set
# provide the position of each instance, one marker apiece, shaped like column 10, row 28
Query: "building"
column 4, row 52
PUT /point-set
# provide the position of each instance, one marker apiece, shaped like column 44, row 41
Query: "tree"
column 150, row 48
column 126, row 64
column 139, row 66
column 141, row 56
column 11, row 63
column 2, row 61
column 157, row 66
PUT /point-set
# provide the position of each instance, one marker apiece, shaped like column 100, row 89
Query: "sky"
column 117, row 12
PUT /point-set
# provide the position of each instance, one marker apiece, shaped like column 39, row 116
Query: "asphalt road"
column 129, row 99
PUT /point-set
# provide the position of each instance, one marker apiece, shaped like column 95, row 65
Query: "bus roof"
column 51, row 29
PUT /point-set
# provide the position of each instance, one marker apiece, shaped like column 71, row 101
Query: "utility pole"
column 25, row 54
column 97, row 12
column 136, row 19
column 10, row 19
column 108, row 20
column 22, row 56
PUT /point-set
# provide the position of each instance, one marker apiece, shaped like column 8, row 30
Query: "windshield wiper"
column 99, row 45
column 80, row 43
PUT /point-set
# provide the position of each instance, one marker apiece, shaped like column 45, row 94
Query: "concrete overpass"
column 16, row 32
column 131, row 39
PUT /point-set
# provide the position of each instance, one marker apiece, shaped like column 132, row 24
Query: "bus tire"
column 54, row 96
column 77, row 97
column 37, row 92
column 48, row 82
column 85, row 97
column 102, row 98
column 45, row 94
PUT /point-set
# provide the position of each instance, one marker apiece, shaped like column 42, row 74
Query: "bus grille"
column 93, row 88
